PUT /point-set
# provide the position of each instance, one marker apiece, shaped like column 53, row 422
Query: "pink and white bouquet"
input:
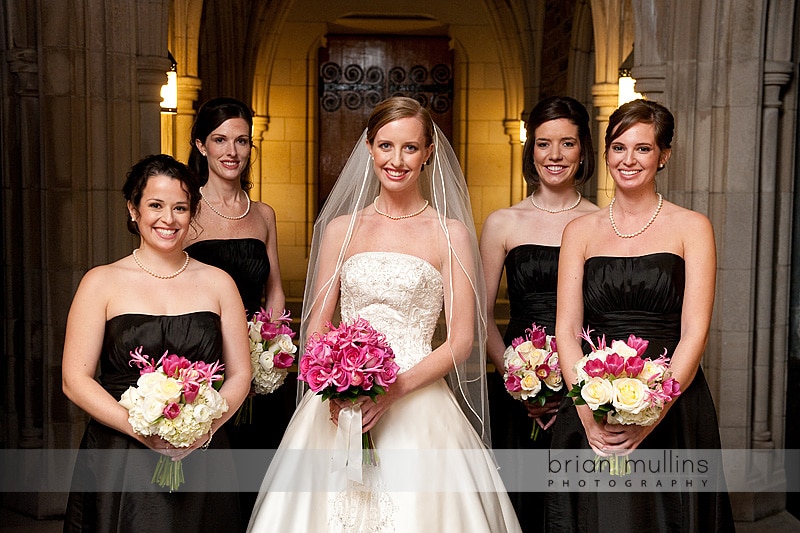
column 271, row 355
column 175, row 399
column 347, row 362
column 620, row 386
column 532, row 372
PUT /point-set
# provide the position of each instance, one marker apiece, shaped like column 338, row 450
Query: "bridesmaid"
column 525, row 239
column 151, row 298
column 646, row 267
column 239, row 236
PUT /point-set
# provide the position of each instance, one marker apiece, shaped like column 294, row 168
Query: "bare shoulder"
column 265, row 210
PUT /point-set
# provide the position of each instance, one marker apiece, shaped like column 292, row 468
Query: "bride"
column 394, row 244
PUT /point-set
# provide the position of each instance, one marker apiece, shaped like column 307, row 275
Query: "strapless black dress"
column 532, row 276
column 111, row 487
column 246, row 261
column 642, row 296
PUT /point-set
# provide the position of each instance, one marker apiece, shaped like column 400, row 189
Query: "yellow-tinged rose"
column 651, row 371
column 170, row 390
column 554, row 381
column 597, row 392
column 533, row 356
column 531, row 383
column 630, row 395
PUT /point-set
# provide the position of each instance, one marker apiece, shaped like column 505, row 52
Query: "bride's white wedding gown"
column 434, row 473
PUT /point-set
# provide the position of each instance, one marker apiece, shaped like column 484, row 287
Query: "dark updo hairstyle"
column 210, row 116
column 396, row 108
column 641, row 112
column 554, row 108
column 159, row 165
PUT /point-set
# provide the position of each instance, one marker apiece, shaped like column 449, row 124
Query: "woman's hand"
column 544, row 415
column 371, row 411
column 159, row 445
column 607, row 439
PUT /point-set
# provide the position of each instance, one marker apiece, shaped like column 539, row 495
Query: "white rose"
column 152, row 409
column 531, row 383
column 202, row 413
column 623, row 349
column 149, row 383
column 651, row 371
column 130, row 398
column 285, row 343
column 170, row 390
column 597, row 392
column 630, row 395
column 581, row 373
column 265, row 360
column 256, row 347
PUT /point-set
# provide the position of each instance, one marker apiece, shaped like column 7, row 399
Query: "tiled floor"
column 13, row 523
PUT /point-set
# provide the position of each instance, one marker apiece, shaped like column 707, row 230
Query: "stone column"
column 518, row 186
column 604, row 101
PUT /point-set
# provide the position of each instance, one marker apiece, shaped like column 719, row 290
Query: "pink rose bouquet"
column 621, row 387
column 271, row 355
column 532, row 372
column 176, row 400
column 347, row 362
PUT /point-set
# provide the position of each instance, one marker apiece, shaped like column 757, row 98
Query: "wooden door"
column 357, row 72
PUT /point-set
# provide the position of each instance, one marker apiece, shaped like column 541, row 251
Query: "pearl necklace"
column 161, row 276
column 632, row 235
column 246, row 211
column 554, row 211
column 399, row 217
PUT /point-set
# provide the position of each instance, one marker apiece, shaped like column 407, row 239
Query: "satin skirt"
column 433, row 474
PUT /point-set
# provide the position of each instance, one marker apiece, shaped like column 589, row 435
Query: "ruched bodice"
column 400, row 295
column 245, row 260
column 643, row 296
column 532, row 276
column 640, row 295
column 195, row 336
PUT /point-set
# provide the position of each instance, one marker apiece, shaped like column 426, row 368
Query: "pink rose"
column 340, row 379
column 172, row 410
column 388, row 375
column 282, row 360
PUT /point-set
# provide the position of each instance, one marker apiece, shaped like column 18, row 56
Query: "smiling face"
column 227, row 149
column 163, row 214
column 634, row 156
column 399, row 151
column 557, row 152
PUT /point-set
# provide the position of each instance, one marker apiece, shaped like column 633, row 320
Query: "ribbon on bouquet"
column 348, row 452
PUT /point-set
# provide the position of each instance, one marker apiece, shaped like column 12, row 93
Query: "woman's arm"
column 493, row 255
column 275, row 297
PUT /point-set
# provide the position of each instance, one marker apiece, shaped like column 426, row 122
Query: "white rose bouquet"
column 176, row 400
column 621, row 387
column 532, row 372
column 271, row 355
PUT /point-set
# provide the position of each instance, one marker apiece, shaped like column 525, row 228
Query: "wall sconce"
column 169, row 92
column 626, row 82
column 523, row 132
